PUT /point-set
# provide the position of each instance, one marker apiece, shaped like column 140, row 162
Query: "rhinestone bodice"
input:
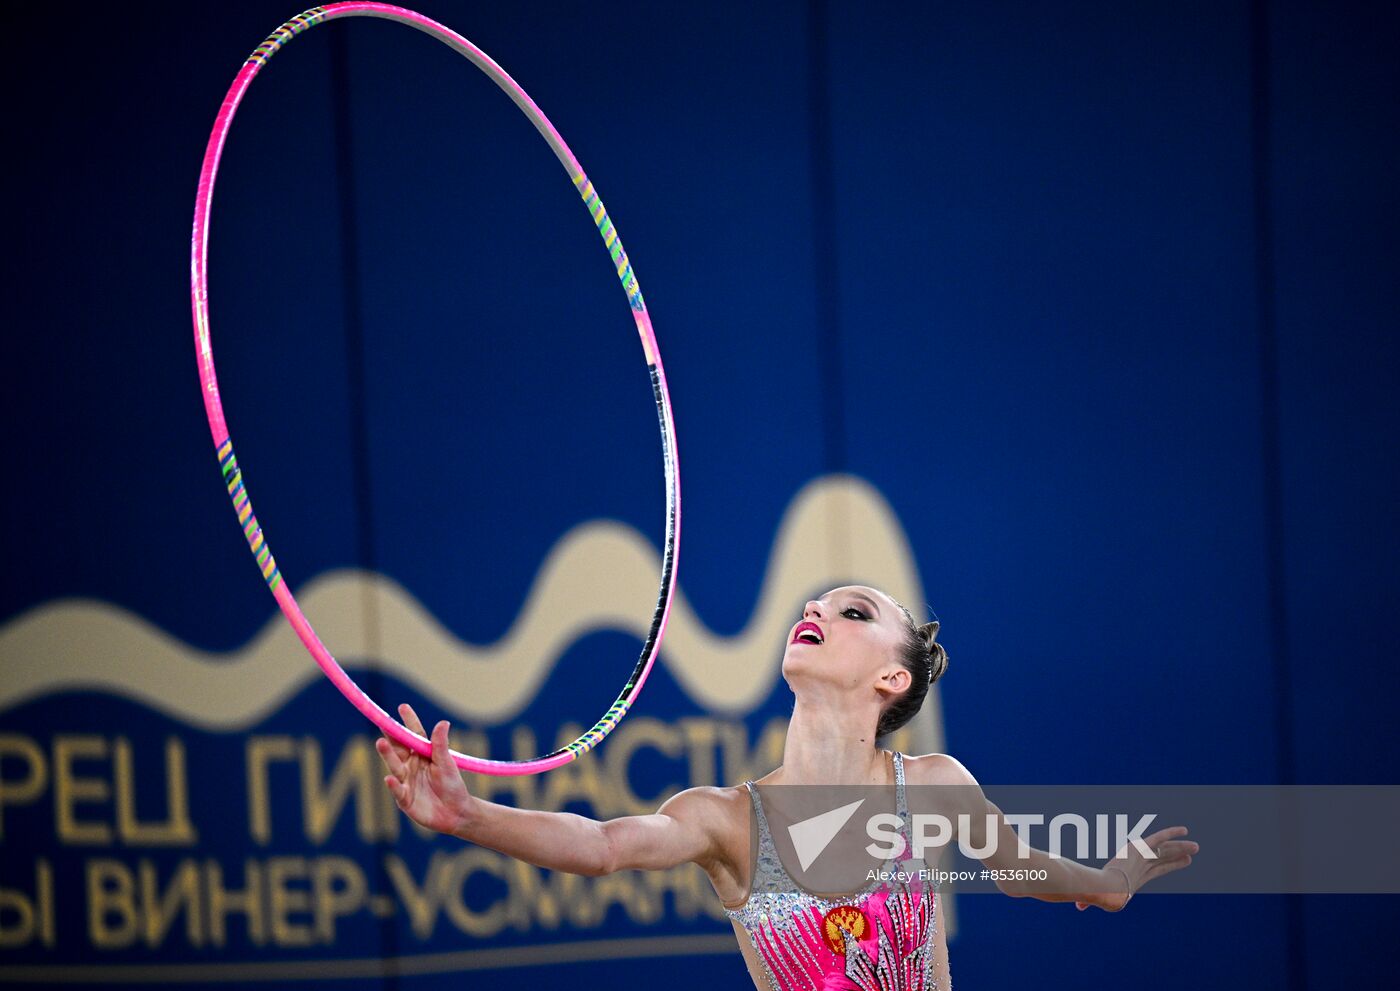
column 881, row 938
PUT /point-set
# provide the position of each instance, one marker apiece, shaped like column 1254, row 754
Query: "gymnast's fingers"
column 1166, row 867
column 442, row 753
column 1176, row 849
column 411, row 720
column 399, row 790
column 1162, row 835
column 392, row 755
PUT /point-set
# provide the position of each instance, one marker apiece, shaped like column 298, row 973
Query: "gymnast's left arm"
column 1109, row 887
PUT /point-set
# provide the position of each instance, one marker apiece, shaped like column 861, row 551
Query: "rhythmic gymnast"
column 859, row 668
column 857, row 663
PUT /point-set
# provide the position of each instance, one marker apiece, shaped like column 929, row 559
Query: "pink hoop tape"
column 233, row 477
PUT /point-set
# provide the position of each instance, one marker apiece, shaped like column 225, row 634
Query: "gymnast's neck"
column 831, row 741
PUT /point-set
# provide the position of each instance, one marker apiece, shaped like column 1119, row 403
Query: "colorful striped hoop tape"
column 233, row 477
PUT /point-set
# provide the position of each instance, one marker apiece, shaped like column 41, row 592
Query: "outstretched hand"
column 430, row 791
column 1172, row 855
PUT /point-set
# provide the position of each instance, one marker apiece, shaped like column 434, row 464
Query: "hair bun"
column 924, row 658
column 938, row 657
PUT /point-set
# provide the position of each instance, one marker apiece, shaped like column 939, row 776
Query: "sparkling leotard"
column 881, row 938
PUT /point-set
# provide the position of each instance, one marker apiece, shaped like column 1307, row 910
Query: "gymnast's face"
column 850, row 637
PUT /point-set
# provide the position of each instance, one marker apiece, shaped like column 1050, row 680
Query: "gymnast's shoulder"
column 715, row 806
column 716, row 818
column 936, row 769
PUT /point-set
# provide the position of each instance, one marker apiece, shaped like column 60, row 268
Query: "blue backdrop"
column 1089, row 308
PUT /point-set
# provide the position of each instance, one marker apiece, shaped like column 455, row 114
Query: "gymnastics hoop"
column 223, row 444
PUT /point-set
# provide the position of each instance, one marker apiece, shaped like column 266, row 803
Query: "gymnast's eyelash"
column 853, row 609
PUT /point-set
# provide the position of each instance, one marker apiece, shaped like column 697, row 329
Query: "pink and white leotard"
column 882, row 938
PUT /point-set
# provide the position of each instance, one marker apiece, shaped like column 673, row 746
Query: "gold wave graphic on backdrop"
column 600, row 575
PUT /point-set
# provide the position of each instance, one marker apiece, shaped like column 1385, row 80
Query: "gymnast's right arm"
column 432, row 793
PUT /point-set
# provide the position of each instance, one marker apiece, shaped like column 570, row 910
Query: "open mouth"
column 809, row 633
